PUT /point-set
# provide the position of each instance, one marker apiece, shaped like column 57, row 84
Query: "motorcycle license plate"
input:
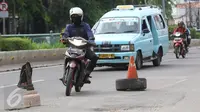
column 103, row 56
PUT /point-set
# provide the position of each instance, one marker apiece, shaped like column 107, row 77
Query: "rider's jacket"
column 180, row 29
column 83, row 30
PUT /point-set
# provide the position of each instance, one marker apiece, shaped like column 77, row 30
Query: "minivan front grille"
column 107, row 48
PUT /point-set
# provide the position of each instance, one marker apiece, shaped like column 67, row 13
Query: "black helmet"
column 181, row 23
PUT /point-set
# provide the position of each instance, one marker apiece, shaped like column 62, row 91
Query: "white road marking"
column 9, row 72
column 167, row 77
column 1, row 87
column 169, row 85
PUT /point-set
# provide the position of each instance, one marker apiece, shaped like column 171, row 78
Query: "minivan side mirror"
column 145, row 31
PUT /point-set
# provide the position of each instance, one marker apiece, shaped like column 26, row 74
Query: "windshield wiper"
column 130, row 31
column 108, row 32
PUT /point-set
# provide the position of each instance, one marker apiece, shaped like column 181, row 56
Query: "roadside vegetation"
column 41, row 16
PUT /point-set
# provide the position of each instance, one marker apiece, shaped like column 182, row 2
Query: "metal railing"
column 50, row 38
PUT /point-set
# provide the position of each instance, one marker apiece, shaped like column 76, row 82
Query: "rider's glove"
column 92, row 42
column 62, row 41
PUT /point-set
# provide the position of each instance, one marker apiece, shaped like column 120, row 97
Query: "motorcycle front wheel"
column 177, row 52
column 77, row 88
column 183, row 53
column 69, row 83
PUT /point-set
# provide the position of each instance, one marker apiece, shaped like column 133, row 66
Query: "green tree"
column 27, row 10
column 39, row 16
column 168, row 6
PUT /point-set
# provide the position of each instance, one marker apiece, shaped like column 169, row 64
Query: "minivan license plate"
column 102, row 56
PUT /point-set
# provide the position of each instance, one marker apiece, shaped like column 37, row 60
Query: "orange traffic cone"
column 132, row 72
column 132, row 82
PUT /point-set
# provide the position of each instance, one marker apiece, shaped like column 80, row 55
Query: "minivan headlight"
column 127, row 47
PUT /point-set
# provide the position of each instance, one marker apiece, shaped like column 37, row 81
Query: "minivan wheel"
column 158, row 60
column 138, row 61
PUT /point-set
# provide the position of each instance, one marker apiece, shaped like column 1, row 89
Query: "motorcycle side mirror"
column 93, row 30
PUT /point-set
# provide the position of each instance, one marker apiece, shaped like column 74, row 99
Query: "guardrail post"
column 0, row 43
column 51, row 37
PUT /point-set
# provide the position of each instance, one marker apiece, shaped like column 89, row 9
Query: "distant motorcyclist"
column 181, row 28
column 188, row 33
column 82, row 29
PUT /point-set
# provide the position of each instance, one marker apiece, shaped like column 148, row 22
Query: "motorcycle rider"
column 181, row 28
column 82, row 29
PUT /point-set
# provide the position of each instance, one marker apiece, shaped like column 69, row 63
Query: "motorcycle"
column 179, row 47
column 74, row 69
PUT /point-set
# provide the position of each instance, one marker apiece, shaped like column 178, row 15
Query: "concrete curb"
column 37, row 66
column 16, row 57
column 22, row 56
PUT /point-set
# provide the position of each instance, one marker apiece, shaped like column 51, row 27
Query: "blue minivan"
column 128, row 30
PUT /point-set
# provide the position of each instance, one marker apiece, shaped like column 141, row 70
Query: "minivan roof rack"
column 137, row 6
column 142, row 5
column 145, row 5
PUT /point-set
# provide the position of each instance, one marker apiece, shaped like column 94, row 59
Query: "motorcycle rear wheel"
column 69, row 83
column 77, row 88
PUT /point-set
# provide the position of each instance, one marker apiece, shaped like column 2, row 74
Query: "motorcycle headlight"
column 127, row 47
column 76, row 51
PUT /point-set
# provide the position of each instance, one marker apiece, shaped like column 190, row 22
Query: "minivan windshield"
column 118, row 25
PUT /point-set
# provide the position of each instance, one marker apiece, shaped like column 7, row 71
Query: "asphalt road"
column 171, row 87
